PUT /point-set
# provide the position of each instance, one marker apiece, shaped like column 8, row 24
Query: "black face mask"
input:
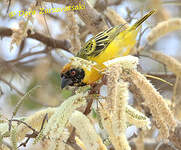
column 72, row 77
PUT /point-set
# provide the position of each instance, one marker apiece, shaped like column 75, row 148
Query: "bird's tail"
column 139, row 22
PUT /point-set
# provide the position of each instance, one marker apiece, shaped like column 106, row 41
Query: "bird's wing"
column 99, row 43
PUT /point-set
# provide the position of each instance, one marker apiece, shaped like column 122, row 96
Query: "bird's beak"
column 65, row 82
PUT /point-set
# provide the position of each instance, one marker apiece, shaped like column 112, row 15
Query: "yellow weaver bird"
column 105, row 46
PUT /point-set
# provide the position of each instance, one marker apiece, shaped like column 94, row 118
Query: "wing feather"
column 99, row 43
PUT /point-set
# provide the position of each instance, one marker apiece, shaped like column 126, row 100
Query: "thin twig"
column 29, row 54
column 11, row 86
column 20, row 121
column 140, row 36
column 43, row 122
column 20, row 103
column 71, row 140
column 21, row 48
column 163, row 145
column 175, row 91
column 35, row 133
column 9, row 4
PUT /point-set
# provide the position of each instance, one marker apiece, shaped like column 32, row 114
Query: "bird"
column 111, row 43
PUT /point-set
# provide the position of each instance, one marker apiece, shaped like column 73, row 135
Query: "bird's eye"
column 73, row 72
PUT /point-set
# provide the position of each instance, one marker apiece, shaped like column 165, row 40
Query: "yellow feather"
column 120, row 46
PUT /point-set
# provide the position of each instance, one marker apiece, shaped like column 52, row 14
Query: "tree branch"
column 27, row 55
column 51, row 42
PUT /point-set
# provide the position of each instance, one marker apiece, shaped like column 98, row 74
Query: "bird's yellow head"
column 72, row 76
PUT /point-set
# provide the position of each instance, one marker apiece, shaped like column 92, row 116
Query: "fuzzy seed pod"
column 171, row 63
column 86, row 132
column 124, row 62
column 161, row 113
column 58, row 120
column 20, row 33
column 113, row 112
column 163, row 28
column 137, row 118
column 73, row 31
column 115, row 18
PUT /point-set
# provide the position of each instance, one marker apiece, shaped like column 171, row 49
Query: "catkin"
column 60, row 142
column 162, row 12
column 157, row 105
column 86, row 132
column 137, row 118
column 58, row 120
column 73, row 32
column 125, row 62
column 171, row 63
column 119, row 113
column 20, row 33
column 107, row 123
column 113, row 112
column 115, row 18
column 163, row 28
column 120, row 142
column 56, row 115
column 112, row 84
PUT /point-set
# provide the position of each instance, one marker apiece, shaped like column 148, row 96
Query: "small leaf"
column 66, row 93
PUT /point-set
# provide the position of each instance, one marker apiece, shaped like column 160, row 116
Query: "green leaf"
column 66, row 93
